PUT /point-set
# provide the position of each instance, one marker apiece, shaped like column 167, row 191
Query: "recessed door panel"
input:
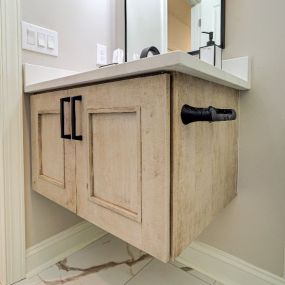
column 115, row 160
column 49, row 143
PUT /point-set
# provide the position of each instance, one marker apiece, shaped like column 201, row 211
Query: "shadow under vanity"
column 110, row 145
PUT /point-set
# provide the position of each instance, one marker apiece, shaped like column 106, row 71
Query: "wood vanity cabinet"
column 131, row 166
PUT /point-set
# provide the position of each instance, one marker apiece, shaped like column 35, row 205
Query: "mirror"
column 172, row 25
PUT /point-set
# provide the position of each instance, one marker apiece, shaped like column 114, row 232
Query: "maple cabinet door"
column 53, row 157
column 123, row 160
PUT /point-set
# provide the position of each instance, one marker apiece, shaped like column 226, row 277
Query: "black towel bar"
column 191, row 114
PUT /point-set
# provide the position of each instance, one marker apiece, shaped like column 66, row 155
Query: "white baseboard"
column 225, row 268
column 60, row 246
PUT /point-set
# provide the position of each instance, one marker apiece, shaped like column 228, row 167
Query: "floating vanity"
column 110, row 146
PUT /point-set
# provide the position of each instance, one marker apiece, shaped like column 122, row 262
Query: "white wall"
column 253, row 226
column 146, row 25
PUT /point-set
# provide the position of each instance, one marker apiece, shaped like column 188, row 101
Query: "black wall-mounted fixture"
column 148, row 50
column 191, row 114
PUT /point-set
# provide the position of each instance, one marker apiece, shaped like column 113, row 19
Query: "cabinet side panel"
column 204, row 159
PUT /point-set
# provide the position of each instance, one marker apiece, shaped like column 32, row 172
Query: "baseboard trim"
column 224, row 267
column 60, row 246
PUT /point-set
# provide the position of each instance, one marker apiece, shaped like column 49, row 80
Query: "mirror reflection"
column 173, row 25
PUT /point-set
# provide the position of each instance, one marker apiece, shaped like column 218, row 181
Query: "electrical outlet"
column 101, row 54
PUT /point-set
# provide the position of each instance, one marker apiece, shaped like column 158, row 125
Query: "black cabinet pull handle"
column 73, row 118
column 62, row 123
column 191, row 114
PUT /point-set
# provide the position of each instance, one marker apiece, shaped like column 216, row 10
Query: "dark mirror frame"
column 223, row 23
column 223, row 27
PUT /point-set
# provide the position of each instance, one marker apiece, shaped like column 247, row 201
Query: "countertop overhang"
column 169, row 62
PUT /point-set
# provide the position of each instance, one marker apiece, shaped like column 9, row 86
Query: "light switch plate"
column 39, row 39
column 101, row 54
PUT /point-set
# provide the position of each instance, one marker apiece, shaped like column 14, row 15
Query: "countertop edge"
column 170, row 62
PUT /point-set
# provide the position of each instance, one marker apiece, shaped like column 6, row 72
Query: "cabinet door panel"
column 123, row 162
column 53, row 158
column 115, row 163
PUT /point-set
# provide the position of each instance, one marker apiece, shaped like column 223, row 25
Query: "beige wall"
column 81, row 24
column 253, row 226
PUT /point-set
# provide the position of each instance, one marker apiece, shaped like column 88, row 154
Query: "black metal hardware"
column 73, row 118
column 191, row 114
column 62, row 124
column 147, row 50
column 211, row 37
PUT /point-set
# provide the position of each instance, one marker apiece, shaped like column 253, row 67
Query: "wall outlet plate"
column 39, row 39
column 101, row 54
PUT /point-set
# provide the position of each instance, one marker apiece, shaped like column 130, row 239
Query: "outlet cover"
column 101, row 54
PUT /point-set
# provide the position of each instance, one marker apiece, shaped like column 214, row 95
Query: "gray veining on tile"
column 110, row 261
column 107, row 261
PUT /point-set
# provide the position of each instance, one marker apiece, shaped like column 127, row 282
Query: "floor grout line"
column 139, row 271
column 189, row 272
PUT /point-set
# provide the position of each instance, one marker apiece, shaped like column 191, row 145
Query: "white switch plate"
column 45, row 41
column 101, row 54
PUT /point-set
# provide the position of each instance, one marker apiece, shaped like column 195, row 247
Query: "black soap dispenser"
column 211, row 53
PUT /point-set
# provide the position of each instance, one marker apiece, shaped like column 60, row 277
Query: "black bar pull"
column 73, row 118
column 191, row 114
column 62, row 123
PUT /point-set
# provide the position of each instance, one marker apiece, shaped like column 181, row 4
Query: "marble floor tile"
column 31, row 281
column 158, row 273
column 108, row 261
column 51, row 273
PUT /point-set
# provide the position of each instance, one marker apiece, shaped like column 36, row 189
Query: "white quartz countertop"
column 174, row 61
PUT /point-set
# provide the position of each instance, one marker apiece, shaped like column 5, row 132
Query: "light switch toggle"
column 51, row 42
column 42, row 40
column 31, row 37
